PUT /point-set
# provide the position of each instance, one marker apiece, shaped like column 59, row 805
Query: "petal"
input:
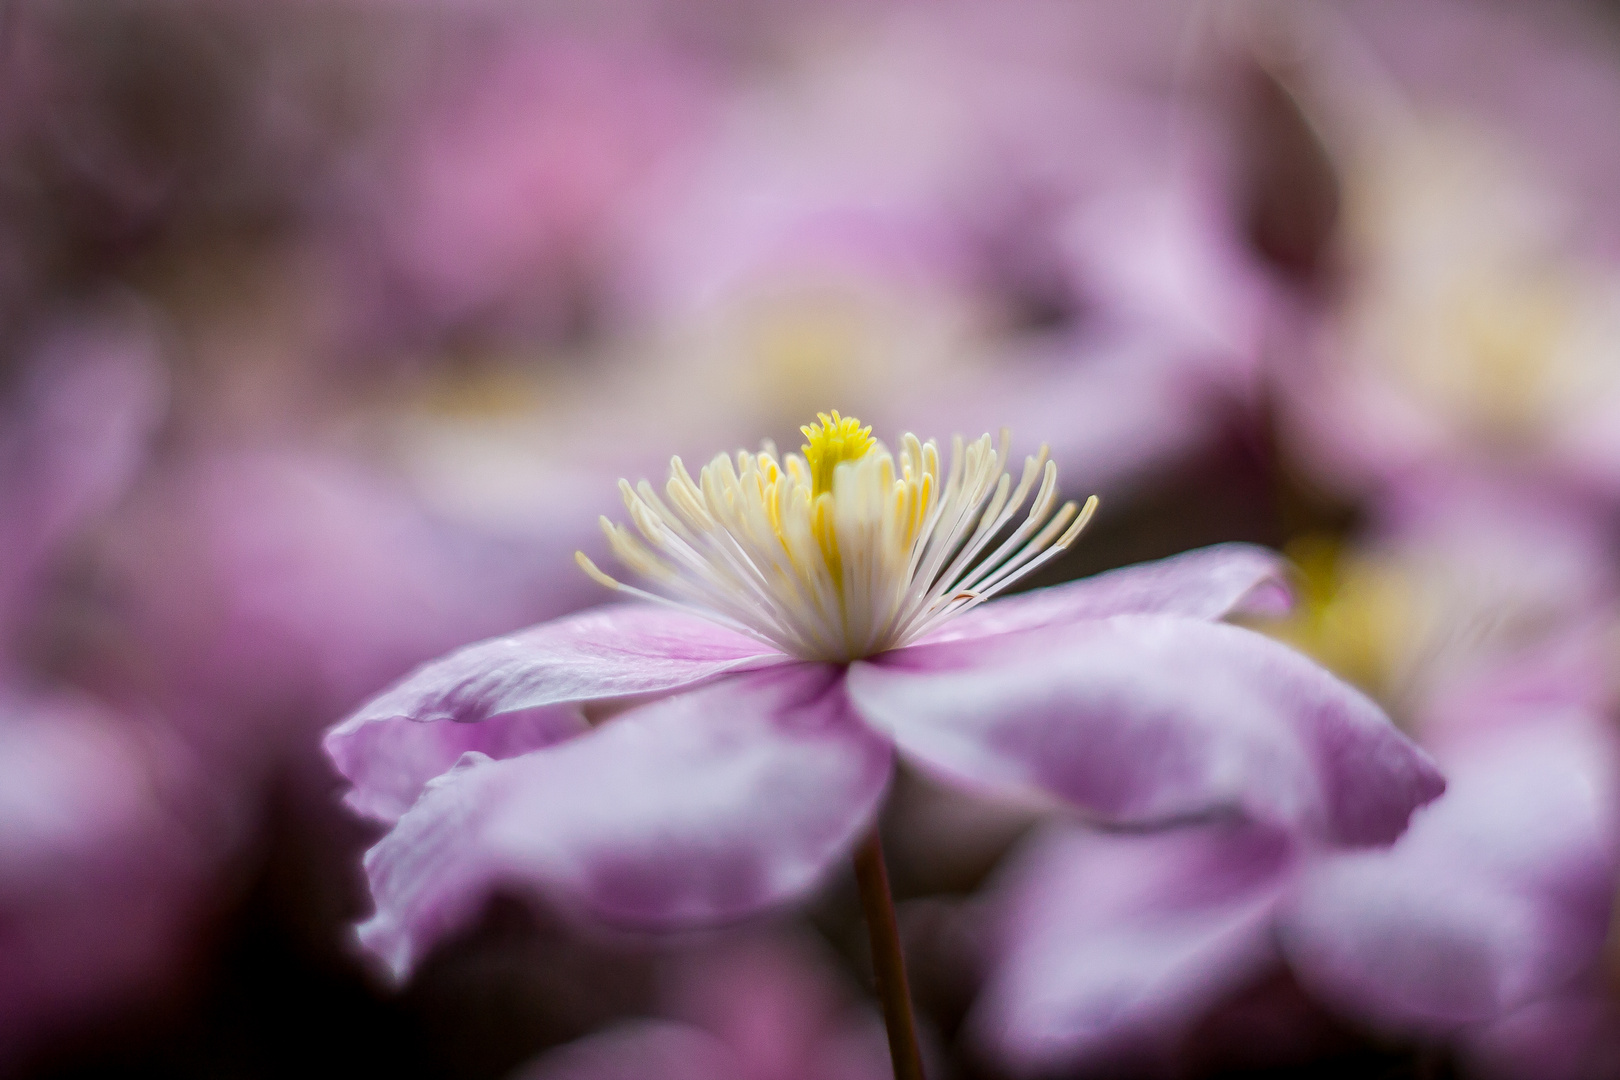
column 1113, row 943
column 390, row 761
column 640, row 1050
column 1147, row 718
column 607, row 652
column 775, row 1000
column 110, row 836
column 74, row 432
column 1209, row 583
column 696, row 808
column 1499, row 894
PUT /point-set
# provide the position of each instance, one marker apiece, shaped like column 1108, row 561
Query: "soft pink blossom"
column 1468, row 329
column 1482, row 927
column 953, row 221
column 735, row 775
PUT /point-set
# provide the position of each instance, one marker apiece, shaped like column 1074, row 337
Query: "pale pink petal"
column 388, row 762
column 1113, row 945
column 1209, row 583
column 701, row 807
column 1498, row 895
column 641, row 1050
column 1142, row 718
column 73, row 434
column 104, row 862
column 607, row 652
column 775, row 1001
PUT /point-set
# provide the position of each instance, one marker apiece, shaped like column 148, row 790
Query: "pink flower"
column 1483, row 926
column 671, row 765
column 259, row 592
column 1478, row 246
column 1493, row 905
column 496, row 189
column 955, row 219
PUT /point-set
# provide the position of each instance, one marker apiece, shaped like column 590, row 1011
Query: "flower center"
column 833, row 440
column 846, row 550
column 1472, row 295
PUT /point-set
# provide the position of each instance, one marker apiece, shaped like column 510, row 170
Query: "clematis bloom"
column 710, row 751
column 1483, row 618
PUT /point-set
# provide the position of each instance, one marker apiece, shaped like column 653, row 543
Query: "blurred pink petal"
column 1498, row 895
column 639, row 1050
column 103, row 862
column 873, row 224
column 1483, row 925
column 1571, row 1038
column 1112, row 946
column 73, row 435
column 262, row 592
column 499, row 194
column 774, row 1001
column 745, row 1007
column 1479, row 246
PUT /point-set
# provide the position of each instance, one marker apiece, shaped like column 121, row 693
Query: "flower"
column 705, row 756
column 1477, row 244
column 492, row 194
column 1493, row 906
column 916, row 205
column 840, row 571
column 1480, row 617
column 263, row 590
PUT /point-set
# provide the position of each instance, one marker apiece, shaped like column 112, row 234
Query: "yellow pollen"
column 833, row 440
column 847, row 550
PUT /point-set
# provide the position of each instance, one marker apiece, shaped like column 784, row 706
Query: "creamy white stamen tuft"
column 843, row 552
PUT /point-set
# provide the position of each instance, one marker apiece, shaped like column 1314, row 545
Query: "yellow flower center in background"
column 1353, row 614
column 846, row 550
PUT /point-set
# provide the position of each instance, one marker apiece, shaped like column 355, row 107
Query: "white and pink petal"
column 1149, row 719
column 698, row 808
column 1209, row 583
column 388, row 761
column 620, row 650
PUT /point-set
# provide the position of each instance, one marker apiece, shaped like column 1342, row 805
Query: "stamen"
column 842, row 552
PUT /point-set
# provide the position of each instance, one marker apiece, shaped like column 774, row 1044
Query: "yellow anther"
column 834, row 440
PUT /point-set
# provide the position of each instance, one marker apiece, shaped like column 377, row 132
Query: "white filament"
column 890, row 552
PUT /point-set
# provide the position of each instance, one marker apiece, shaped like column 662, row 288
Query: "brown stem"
column 888, row 963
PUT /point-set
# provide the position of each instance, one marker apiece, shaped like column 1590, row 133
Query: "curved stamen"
column 842, row 552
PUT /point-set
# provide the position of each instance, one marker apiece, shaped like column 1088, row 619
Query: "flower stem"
column 888, row 963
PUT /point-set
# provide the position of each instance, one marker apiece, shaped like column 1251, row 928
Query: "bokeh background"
column 328, row 326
